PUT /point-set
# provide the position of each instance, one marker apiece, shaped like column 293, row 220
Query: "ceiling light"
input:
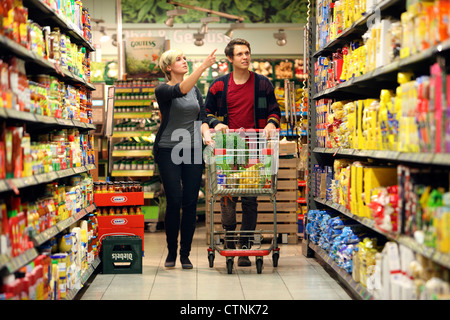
column 171, row 14
column 205, row 21
column 199, row 37
column 204, row 28
column 169, row 21
column 234, row 26
column 104, row 36
column 281, row 37
column 229, row 33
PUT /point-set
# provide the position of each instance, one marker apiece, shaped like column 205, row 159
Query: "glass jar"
column 97, row 188
column 103, row 187
column 138, row 186
column 110, row 187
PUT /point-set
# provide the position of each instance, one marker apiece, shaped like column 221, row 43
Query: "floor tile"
column 295, row 278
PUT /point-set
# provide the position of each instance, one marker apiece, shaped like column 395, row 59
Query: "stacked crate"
column 287, row 206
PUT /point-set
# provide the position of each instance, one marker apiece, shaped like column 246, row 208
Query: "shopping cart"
column 242, row 163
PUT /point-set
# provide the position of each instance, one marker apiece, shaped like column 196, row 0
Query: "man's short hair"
column 229, row 49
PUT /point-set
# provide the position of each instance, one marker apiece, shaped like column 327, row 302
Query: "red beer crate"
column 120, row 224
column 119, row 199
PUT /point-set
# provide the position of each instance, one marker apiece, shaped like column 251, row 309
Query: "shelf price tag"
column 442, row 158
column 3, row 186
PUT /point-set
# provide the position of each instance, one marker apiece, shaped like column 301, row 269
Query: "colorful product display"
column 423, row 25
column 57, row 150
column 48, row 233
column 386, row 270
column 415, row 118
column 59, row 267
column 50, row 43
column 23, row 219
column 401, row 200
column 42, row 94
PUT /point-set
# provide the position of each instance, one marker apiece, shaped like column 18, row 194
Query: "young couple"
column 241, row 99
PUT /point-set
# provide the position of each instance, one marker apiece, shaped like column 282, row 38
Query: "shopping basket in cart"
column 242, row 163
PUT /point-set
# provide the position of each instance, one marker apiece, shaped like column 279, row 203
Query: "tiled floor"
column 295, row 278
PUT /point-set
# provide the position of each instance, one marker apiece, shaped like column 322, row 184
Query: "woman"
column 178, row 149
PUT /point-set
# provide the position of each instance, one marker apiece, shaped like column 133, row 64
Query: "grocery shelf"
column 43, row 120
column 40, row 12
column 428, row 252
column 290, row 133
column 133, row 102
column 359, row 27
column 354, row 286
column 298, row 113
column 131, row 134
column 149, row 195
column 16, row 263
column 132, row 173
column 134, row 89
column 61, row 226
column 71, row 294
column 387, row 73
column 132, row 115
column 132, row 153
column 47, row 66
column 18, row 183
column 415, row 157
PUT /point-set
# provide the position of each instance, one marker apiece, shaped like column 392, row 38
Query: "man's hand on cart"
column 268, row 130
column 207, row 138
column 221, row 127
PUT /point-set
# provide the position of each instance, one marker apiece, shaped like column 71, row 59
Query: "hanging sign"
column 142, row 57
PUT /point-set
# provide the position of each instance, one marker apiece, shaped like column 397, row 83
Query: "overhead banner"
column 142, row 57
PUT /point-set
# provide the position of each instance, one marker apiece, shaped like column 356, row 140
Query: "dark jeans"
column 249, row 216
column 181, row 185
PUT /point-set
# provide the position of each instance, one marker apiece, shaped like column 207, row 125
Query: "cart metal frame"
column 262, row 148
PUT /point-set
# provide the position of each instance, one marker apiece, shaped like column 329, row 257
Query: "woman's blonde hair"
column 167, row 58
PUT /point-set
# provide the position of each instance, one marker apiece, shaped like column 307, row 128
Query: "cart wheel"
column 259, row 264
column 211, row 259
column 275, row 257
column 230, row 265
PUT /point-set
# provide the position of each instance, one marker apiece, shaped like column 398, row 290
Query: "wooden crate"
column 286, row 206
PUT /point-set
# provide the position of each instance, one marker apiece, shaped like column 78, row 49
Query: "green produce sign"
column 142, row 57
column 253, row 11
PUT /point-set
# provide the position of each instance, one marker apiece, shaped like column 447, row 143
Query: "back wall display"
column 142, row 57
column 253, row 11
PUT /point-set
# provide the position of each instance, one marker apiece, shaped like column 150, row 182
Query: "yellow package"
column 375, row 177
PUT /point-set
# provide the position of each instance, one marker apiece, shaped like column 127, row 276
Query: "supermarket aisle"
column 295, row 278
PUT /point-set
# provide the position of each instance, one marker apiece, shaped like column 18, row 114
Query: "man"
column 241, row 99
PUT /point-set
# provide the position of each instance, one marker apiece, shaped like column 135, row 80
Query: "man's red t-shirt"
column 240, row 101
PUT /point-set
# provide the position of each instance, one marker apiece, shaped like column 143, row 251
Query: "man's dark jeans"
column 249, row 216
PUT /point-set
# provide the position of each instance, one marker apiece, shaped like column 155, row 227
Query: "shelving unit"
column 134, row 101
column 36, row 124
column 368, row 85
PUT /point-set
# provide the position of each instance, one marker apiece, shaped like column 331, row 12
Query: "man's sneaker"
column 229, row 244
column 244, row 262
